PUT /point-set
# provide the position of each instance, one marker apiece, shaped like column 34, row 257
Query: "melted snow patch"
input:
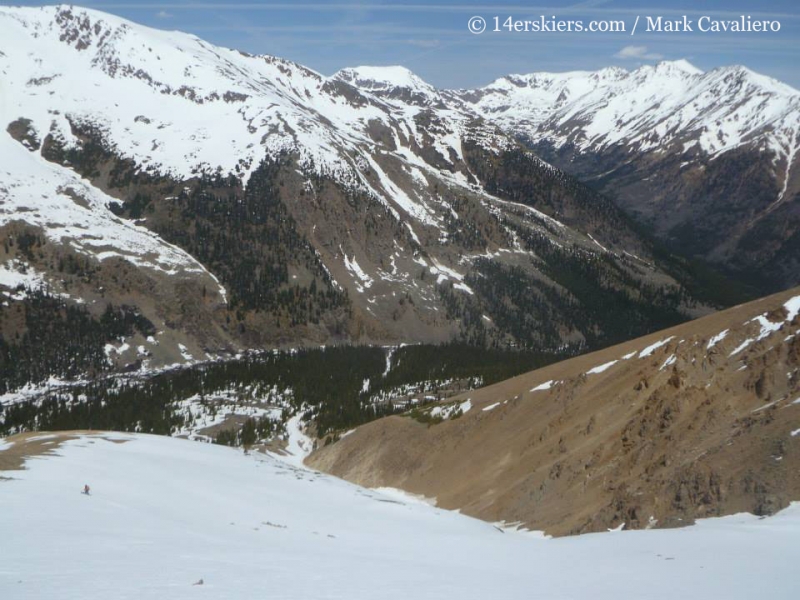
column 544, row 386
column 185, row 352
column 364, row 281
column 15, row 274
column 671, row 360
column 792, row 307
column 445, row 412
column 653, row 347
column 444, row 273
column 603, row 248
column 110, row 349
column 601, row 368
column 767, row 327
column 717, row 339
column 742, row 346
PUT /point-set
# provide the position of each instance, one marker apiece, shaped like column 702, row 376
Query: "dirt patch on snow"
column 17, row 449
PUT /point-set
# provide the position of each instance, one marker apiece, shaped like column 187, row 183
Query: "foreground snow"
column 165, row 513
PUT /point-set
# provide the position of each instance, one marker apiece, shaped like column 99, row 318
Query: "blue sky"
column 432, row 39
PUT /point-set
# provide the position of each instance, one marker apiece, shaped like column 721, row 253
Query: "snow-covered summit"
column 681, row 65
column 395, row 84
column 647, row 108
column 177, row 106
column 374, row 77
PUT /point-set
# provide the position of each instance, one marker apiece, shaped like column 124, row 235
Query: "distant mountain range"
column 707, row 161
column 188, row 201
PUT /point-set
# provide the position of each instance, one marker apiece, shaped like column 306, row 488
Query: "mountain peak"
column 680, row 65
column 394, row 82
column 383, row 78
column 669, row 69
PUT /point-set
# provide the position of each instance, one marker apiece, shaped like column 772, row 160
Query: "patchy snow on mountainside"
column 601, row 368
column 655, row 346
column 175, row 518
column 544, row 386
column 16, row 274
column 449, row 411
column 69, row 209
column 768, row 326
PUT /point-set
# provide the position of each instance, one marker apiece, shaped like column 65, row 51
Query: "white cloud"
column 637, row 53
column 162, row 14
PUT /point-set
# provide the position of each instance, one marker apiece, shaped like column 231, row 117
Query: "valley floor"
column 164, row 514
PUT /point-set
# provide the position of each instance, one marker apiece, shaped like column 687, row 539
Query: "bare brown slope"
column 23, row 446
column 639, row 442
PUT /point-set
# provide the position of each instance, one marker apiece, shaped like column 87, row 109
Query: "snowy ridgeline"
column 164, row 514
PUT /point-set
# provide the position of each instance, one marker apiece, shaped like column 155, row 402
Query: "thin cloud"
column 162, row 14
column 589, row 7
column 637, row 53
column 424, row 43
column 588, row 4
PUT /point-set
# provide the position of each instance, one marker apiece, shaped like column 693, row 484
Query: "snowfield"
column 165, row 514
column 648, row 108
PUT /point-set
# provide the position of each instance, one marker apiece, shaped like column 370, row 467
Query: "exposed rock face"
column 699, row 420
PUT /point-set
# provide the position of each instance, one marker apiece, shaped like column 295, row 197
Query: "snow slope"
column 179, row 106
column 84, row 92
column 648, row 108
column 166, row 513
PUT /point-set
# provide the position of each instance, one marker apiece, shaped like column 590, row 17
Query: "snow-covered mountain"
column 179, row 519
column 708, row 159
column 236, row 201
column 241, row 201
column 650, row 108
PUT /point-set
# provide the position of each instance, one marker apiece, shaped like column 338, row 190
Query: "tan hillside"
column 687, row 423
